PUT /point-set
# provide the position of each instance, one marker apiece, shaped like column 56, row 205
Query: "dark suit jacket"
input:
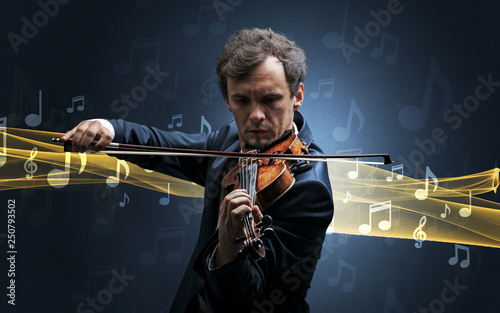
column 277, row 283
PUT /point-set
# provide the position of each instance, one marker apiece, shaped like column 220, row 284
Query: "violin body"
column 274, row 178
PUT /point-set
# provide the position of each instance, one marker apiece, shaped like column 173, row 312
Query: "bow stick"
column 123, row 148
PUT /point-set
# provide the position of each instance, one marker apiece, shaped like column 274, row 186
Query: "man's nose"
column 257, row 113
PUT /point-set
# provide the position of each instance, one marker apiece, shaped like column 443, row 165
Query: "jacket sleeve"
column 301, row 218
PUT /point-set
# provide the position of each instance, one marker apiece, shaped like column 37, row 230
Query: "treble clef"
column 419, row 235
column 210, row 88
column 29, row 166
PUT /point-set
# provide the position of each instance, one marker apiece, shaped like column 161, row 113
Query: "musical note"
column 454, row 259
column 35, row 119
column 215, row 28
column 29, row 166
column 172, row 256
column 3, row 130
column 178, row 118
column 137, row 45
column 210, row 88
column 74, row 100
column 113, row 181
column 418, row 234
column 334, row 40
column 327, row 83
column 205, row 123
column 421, row 194
column 170, row 94
column 446, row 209
column 390, row 58
column 347, row 286
column 354, row 174
column 166, row 200
column 22, row 89
column 384, row 224
column 347, row 197
column 395, row 168
column 466, row 212
column 414, row 118
column 126, row 199
column 342, row 134
column 58, row 178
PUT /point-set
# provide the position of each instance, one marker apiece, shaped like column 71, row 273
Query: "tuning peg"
column 268, row 233
column 265, row 222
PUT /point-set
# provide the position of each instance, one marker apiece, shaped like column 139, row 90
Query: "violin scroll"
column 252, row 240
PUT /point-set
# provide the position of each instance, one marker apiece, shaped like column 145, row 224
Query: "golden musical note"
column 29, row 166
column 3, row 130
column 58, row 178
column 113, row 181
column 446, row 209
column 466, row 212
column 342, row 133
column 422, row 194
column 374, row 208
column 418, row 234
column 454, row 259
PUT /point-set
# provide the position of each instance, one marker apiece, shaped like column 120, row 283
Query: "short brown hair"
column 248, row 48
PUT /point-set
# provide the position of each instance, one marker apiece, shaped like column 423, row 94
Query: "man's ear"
column 299, row 97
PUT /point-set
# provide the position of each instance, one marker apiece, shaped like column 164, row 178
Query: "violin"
column 265, row 180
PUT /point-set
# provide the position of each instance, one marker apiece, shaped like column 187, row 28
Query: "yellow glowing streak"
column 357, row 189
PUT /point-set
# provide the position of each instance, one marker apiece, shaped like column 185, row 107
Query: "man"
column 261, row 77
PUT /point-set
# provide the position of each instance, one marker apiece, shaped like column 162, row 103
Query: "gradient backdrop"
column 401, row 77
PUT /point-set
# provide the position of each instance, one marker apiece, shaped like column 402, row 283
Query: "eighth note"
column 347, row 198
column 421, row 194
column 446, row 209
column 342, row 133
column 126, row 199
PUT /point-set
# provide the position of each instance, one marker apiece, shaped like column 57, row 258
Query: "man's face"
column 262, row 105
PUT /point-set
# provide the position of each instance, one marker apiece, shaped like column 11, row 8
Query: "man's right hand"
column 85, row 133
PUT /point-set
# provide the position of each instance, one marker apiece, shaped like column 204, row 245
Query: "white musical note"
column 384, row 224
column 418, row 234
column 178, row 118
column 35, row 119
column 454, row 259
column 342, row 133
column 422, row 194
column 446, row 209
column 334, row 40
column 466, row 212
column 347, row 197
column 328, row 84
column 205, row 123
column 80, row 107
column 393, row 169
column 354, row 174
